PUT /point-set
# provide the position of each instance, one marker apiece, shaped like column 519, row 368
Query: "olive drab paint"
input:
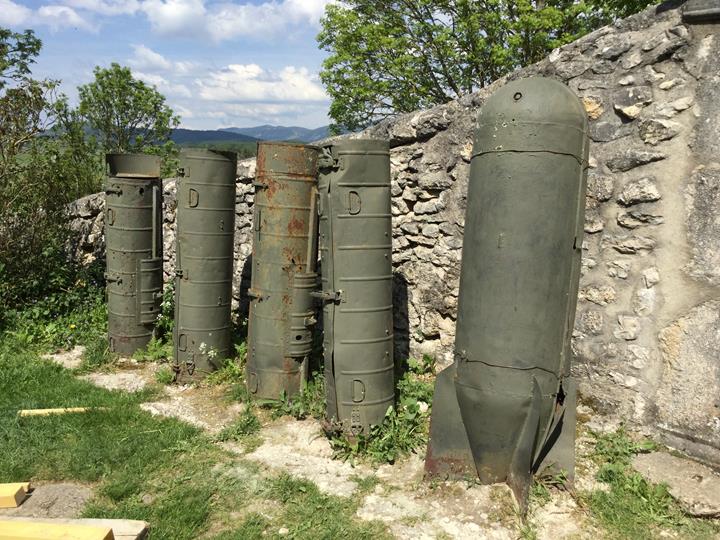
column 356, row 264
column 205, row 235
column 284, row 258
column 506, row 407
column 133, row 234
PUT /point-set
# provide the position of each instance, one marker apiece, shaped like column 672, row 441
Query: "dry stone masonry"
column 647, row 337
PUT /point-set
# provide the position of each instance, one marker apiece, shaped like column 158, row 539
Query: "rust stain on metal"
column 297, row 226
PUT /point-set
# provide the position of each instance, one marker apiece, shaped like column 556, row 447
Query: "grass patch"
column 405, row 427
column 246, row 424
column 164, row 375
column 310, row 514
column 633, row 507
column 97, row 353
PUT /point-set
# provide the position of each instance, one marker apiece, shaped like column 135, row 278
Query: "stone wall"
column 647, row 337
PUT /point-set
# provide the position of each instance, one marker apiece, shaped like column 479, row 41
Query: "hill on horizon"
column 282, row 133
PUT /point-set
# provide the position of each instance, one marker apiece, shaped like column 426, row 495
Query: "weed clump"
column 247, row 424
column 405, row 427
column 309, row 403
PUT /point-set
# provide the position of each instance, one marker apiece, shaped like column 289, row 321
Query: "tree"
column 126, row 114
column 398, row 56
column 44, row 165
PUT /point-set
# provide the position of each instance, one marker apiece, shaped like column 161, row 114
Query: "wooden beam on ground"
column 123, row 529
column 12, row 495
column 66, row 410
column 43, row 530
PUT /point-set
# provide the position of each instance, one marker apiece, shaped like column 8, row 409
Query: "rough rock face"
column 646, row 337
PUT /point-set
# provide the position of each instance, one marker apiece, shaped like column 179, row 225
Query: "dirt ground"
column 410, row 507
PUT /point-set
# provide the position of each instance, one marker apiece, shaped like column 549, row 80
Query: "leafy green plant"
column 247, row 424
column 166, row 318
column 309, row 403
column 405, row 427
column 156, row 350
column 165, row 375
column 97, row 353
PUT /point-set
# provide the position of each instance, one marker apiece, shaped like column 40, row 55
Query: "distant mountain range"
column 189, row 137
column 283, row 133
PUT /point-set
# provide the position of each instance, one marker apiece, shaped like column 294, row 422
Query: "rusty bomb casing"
column 284, row 257
column 506, row 407
column 356, row 264
column 133, row 234
column 205, row 221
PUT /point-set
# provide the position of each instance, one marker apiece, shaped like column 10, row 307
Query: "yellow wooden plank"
column 24, row 485
column 47, row 412
column 11, row 495
column 39, row 530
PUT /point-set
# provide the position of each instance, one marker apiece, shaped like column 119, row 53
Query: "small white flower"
column 423, row 407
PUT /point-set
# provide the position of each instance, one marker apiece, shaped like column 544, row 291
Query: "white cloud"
column 251, row 83
column 53, row 15
column 12, row 14
column 164, row 86
column 147, row 59
column 106, row 7
column 227, row 20
column 172, row 17
column 57, row 17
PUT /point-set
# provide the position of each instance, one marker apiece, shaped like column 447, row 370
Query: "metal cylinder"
column 508, row 397
column 205, row 233
column 356, row 258
column 284, row 256
column 133, row 235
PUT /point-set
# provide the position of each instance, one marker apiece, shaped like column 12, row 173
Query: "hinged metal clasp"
column 259, row 185
column 180, row 273
column 113, row 278
column 190, row 366
column 329, row 296
column 181, row 172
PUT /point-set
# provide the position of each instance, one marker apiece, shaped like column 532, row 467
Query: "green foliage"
column 164, row 375
column 243, row 150
column 405, row 428
column 64, row 318
column 39, row 176
column 157, row 350
column 247, row 424
column 97, row 353
column 309, row 403
column 127, row 114
column 632, row 507
column 387, row 58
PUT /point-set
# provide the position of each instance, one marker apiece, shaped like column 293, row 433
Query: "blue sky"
column 219, row 63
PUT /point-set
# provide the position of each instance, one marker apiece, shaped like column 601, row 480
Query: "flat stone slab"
column 68, row 359
column 126, row 381
column 695, row 486
column 62, row 500
column 123, row 529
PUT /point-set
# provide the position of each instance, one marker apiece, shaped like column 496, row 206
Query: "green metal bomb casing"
column 205, row 232
column 133, row 234
column 356, row 258
column 284, row 257
column 508, row 397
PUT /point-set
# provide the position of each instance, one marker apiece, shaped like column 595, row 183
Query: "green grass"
column 632, row 507
column 311, row 514
column 163, row 471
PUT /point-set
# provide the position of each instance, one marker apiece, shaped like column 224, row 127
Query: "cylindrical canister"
column 518, row 286
column 356, row 263
column 284, row 256
column 205, row 223
column 133, row 235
